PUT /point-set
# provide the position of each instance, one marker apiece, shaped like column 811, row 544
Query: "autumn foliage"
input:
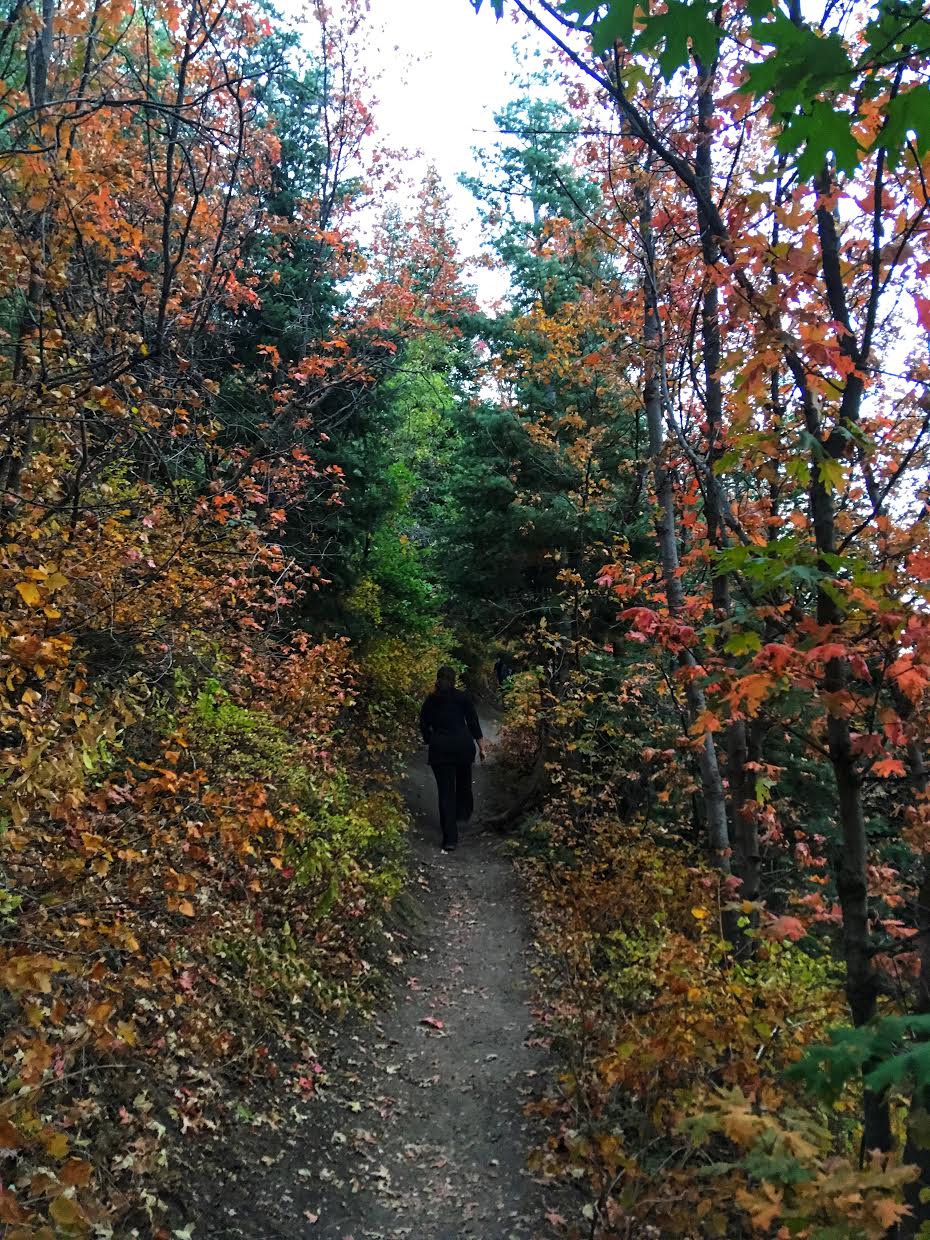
column 718, row 359
column 200, row 843
column 262, row 464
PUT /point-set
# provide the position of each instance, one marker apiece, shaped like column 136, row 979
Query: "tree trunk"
column 16, row 452
column 850, row 865
column 917, row 1146
column 715, row 810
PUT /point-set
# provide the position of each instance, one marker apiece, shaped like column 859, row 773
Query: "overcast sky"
column 441, row 72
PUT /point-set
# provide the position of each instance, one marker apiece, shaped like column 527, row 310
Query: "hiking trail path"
column 420, row 1129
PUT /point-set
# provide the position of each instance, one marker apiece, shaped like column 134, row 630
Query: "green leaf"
column 617, row 26
column 906, row 114
column 744, row 643
column 825, row 131
column 912, row 1065
column 682, row 27
column 763, row 789
column 798, row 469
column 831, row 474
column 874, row 1049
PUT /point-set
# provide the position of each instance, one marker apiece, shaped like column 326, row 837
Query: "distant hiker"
column 503, row 670
column 450, row 727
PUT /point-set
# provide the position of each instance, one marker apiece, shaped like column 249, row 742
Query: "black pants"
column 453, row 784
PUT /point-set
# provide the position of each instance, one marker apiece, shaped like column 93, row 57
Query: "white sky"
column 441, row 71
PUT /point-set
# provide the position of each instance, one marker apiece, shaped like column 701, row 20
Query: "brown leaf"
column 10, row 1136
column 75, row 1173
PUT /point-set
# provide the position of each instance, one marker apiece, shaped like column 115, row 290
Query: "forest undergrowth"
column 213, row 875
column 684, row 1105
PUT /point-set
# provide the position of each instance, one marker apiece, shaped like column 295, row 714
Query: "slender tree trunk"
column 714, row 499
column 169, row 193
column 851, row 866
column 745, row 859
column 742, row 815
column 18, row 448
column 917, row 1146
column 715, row 810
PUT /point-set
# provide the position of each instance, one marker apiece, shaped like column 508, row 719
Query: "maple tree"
column 760, row 193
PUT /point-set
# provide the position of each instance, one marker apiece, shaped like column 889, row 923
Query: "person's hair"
column 445, row 679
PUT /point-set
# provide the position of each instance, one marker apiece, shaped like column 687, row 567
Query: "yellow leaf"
column 30, row 593
column 66, row 1212
column 56, row 1146
column 699, row 913
column 126, row 1032
column 99, row 1013
column 888, row 1211
column 763, row 1207
column 831, row 474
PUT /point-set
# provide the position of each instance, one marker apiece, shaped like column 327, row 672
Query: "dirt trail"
column 420, row 1131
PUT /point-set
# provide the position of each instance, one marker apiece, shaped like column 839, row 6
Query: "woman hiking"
column 450, row 727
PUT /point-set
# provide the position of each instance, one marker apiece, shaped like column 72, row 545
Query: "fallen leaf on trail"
column 56, row 1145
column 10, row 1137
column 311, row 1217
column 66, row 1212
column 432, row 1022
column 30, row 593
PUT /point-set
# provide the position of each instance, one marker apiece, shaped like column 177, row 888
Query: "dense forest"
column 266, row 459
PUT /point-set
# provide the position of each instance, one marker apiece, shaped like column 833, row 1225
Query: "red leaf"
column 786, row 927
column 889, row 766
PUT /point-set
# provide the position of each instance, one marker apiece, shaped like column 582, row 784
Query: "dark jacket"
column 449, row 723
